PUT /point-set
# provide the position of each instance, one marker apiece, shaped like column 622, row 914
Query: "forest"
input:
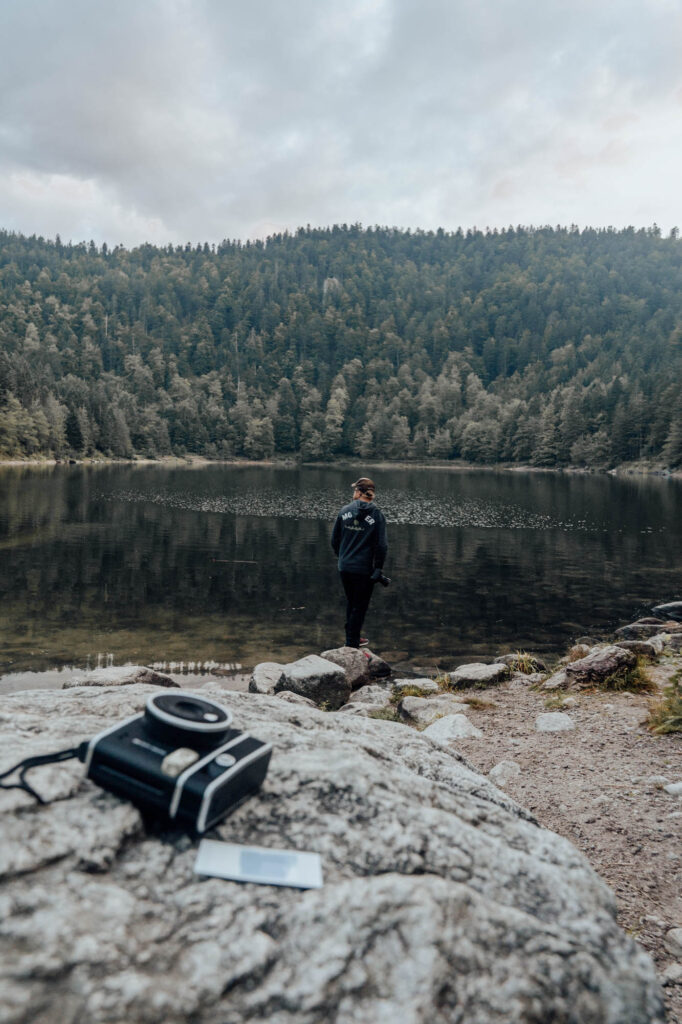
column 539, row 346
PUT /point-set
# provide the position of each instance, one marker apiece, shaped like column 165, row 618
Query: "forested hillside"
column 545, row 346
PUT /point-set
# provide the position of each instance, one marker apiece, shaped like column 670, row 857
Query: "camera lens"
column 181, row 717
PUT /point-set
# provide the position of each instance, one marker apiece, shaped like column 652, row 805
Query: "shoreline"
column 627, row 469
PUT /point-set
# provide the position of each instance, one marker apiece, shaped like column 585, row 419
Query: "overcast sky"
column 193, row 120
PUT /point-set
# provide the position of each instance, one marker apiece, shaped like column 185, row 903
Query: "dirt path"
column 596, row 786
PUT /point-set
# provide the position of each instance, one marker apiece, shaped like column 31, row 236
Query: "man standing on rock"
column 360, row 542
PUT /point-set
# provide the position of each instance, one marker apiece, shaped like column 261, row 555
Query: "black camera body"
column 178, row 759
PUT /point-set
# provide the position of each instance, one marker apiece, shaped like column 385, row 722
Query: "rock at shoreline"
column 443, row 900
column 266, row 677
column 598, row 666
column 650, row 648
column 360, row 665
column 425, row 710
column 318, row 679
column 479, row 675
column 672, row 610
column 424, row 686
column 121, row 675
column 642, row 630
column 525, row 663
column 313, row 677
column 377, row 696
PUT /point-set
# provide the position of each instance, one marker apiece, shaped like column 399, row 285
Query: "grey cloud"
column 206, row 119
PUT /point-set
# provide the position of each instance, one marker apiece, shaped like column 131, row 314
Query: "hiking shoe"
column 364, row 642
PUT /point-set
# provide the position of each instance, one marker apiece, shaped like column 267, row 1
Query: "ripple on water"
column 401, row 509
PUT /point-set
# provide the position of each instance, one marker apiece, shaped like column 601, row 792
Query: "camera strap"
column 33, row 762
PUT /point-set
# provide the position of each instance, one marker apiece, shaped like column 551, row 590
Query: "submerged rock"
column 443, row 900
column 671, row 610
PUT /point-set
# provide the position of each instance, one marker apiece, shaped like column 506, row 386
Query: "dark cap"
column 364, row 485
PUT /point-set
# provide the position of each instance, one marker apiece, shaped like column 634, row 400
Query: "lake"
column 230, row 565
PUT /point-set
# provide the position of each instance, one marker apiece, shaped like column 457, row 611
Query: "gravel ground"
column 599, row 785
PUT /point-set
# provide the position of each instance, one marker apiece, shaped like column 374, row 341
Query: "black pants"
column 358, row 590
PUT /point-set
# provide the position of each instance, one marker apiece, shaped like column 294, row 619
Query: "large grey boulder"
column 671, row 610
column 479, row 675
column 360, row 665
column 313, row 677
column 318, row 679
column 598, row 666
column 121, row 675
column 443, row 900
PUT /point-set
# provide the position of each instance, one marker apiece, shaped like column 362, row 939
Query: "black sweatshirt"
column 359, row 537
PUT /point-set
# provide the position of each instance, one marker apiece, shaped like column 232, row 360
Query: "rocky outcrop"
column 443, row 900
column 121, row 675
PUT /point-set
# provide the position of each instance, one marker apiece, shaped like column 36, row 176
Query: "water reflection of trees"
column 70, row 553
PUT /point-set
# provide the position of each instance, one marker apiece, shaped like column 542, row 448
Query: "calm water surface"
column 232, row 565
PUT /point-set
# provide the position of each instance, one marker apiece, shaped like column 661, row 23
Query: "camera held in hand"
column 378, row 577
column 179, row 759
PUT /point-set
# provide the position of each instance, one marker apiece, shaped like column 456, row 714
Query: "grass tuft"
column 478, row 703
column 666, row 716
column 525, row 662
column 406, row 691
column 555, row 701
column 634, row 679
column 385, row 714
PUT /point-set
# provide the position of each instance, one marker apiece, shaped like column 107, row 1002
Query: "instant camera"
column 178, row 759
